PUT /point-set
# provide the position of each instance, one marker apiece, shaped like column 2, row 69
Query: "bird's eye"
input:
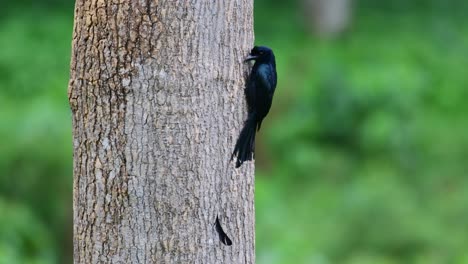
column 261, row 52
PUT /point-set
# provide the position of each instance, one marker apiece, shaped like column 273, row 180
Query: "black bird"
column 259, row 93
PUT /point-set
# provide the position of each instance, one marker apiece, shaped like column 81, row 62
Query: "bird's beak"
column 250, row 57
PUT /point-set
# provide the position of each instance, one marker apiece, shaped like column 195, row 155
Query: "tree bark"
column 156, row 92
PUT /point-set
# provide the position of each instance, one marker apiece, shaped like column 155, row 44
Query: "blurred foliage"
column 23, row 238
column 360, row 161
column 369, row 137
column 35, row 133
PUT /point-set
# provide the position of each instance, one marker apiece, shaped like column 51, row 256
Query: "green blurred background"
column 361, row 161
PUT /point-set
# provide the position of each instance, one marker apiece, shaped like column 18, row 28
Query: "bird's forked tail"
column 245, row 145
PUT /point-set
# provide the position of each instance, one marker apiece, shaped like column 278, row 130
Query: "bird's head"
column 260, row 54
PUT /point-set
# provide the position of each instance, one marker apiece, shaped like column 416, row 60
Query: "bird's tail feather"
column 245, row 145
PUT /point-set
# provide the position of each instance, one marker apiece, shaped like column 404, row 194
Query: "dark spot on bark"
column 222, row 236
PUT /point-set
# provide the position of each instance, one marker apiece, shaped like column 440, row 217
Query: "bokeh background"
column 362, row 160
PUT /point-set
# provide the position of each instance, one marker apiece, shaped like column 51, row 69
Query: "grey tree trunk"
column 328, row 18
column 156, row 92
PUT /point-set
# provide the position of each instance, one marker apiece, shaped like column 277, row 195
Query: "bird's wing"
column 264, row 78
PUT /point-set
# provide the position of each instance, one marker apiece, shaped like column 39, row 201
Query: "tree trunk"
column 156, row 92
column 328, row 18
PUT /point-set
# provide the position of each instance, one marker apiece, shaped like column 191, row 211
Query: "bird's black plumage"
column 259, row 92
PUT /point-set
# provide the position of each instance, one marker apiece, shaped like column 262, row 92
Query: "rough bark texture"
column 156, row 92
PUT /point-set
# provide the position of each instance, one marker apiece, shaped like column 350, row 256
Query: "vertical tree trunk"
column 328, row 18
column 156, row 92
